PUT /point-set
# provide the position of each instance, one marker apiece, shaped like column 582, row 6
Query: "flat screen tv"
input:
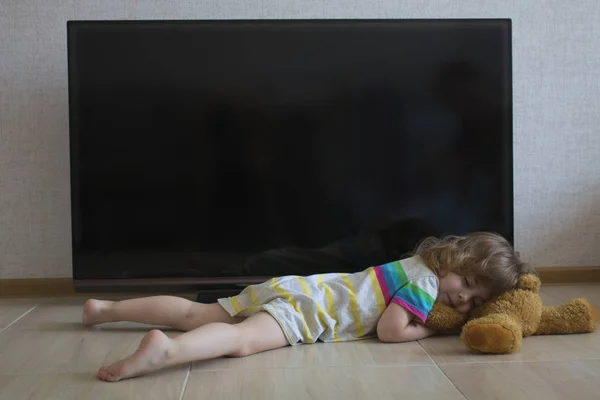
column 210, row 154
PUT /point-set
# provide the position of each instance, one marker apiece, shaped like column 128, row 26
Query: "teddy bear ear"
column 529, row 282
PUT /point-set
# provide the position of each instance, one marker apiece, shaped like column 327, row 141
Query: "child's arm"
column 397, row 325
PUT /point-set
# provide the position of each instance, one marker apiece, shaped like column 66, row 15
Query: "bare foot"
column 94, row 312
column 149, row 357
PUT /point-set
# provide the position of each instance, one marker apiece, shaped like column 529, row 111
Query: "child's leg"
column 176, row 312
column 260, row 332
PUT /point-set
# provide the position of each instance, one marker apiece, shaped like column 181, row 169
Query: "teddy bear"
column 499, row 325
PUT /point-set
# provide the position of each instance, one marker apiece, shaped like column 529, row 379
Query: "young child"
column 391, row 301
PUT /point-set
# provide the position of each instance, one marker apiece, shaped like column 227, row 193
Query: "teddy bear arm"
column 444, row 319
column 575, row 316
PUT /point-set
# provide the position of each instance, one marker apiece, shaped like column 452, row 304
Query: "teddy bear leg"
column 575, row 316
column 497, row 334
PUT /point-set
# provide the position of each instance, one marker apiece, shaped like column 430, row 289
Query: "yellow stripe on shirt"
column 256, row 306
column 288, row 297
column 236, row 304
column 377, row 290
column 253, row 297
column 306, row 291
column 360, row 331
column 329, row 303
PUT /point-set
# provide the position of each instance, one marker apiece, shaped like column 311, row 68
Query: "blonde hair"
column 488, row 256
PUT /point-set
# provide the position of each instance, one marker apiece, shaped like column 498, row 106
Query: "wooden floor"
column 46, row 354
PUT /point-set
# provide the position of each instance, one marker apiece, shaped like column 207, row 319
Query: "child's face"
column 462, row 293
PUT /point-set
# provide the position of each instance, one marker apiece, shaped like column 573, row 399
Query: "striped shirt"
column 338, row 307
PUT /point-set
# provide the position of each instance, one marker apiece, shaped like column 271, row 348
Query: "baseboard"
column 63, row 287
column 550, row 275
column 37, row 287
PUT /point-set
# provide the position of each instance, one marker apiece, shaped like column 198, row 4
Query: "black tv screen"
column 196, row 145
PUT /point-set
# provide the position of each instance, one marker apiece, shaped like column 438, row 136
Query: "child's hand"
column 425, row 329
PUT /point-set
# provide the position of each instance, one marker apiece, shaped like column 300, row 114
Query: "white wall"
column 556, row 48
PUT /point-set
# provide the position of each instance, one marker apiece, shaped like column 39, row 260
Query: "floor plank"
column 568, row 292
column 13, row 309
column 359, row 353
column 399, row 382
column 167, row 385
column 536, row 380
